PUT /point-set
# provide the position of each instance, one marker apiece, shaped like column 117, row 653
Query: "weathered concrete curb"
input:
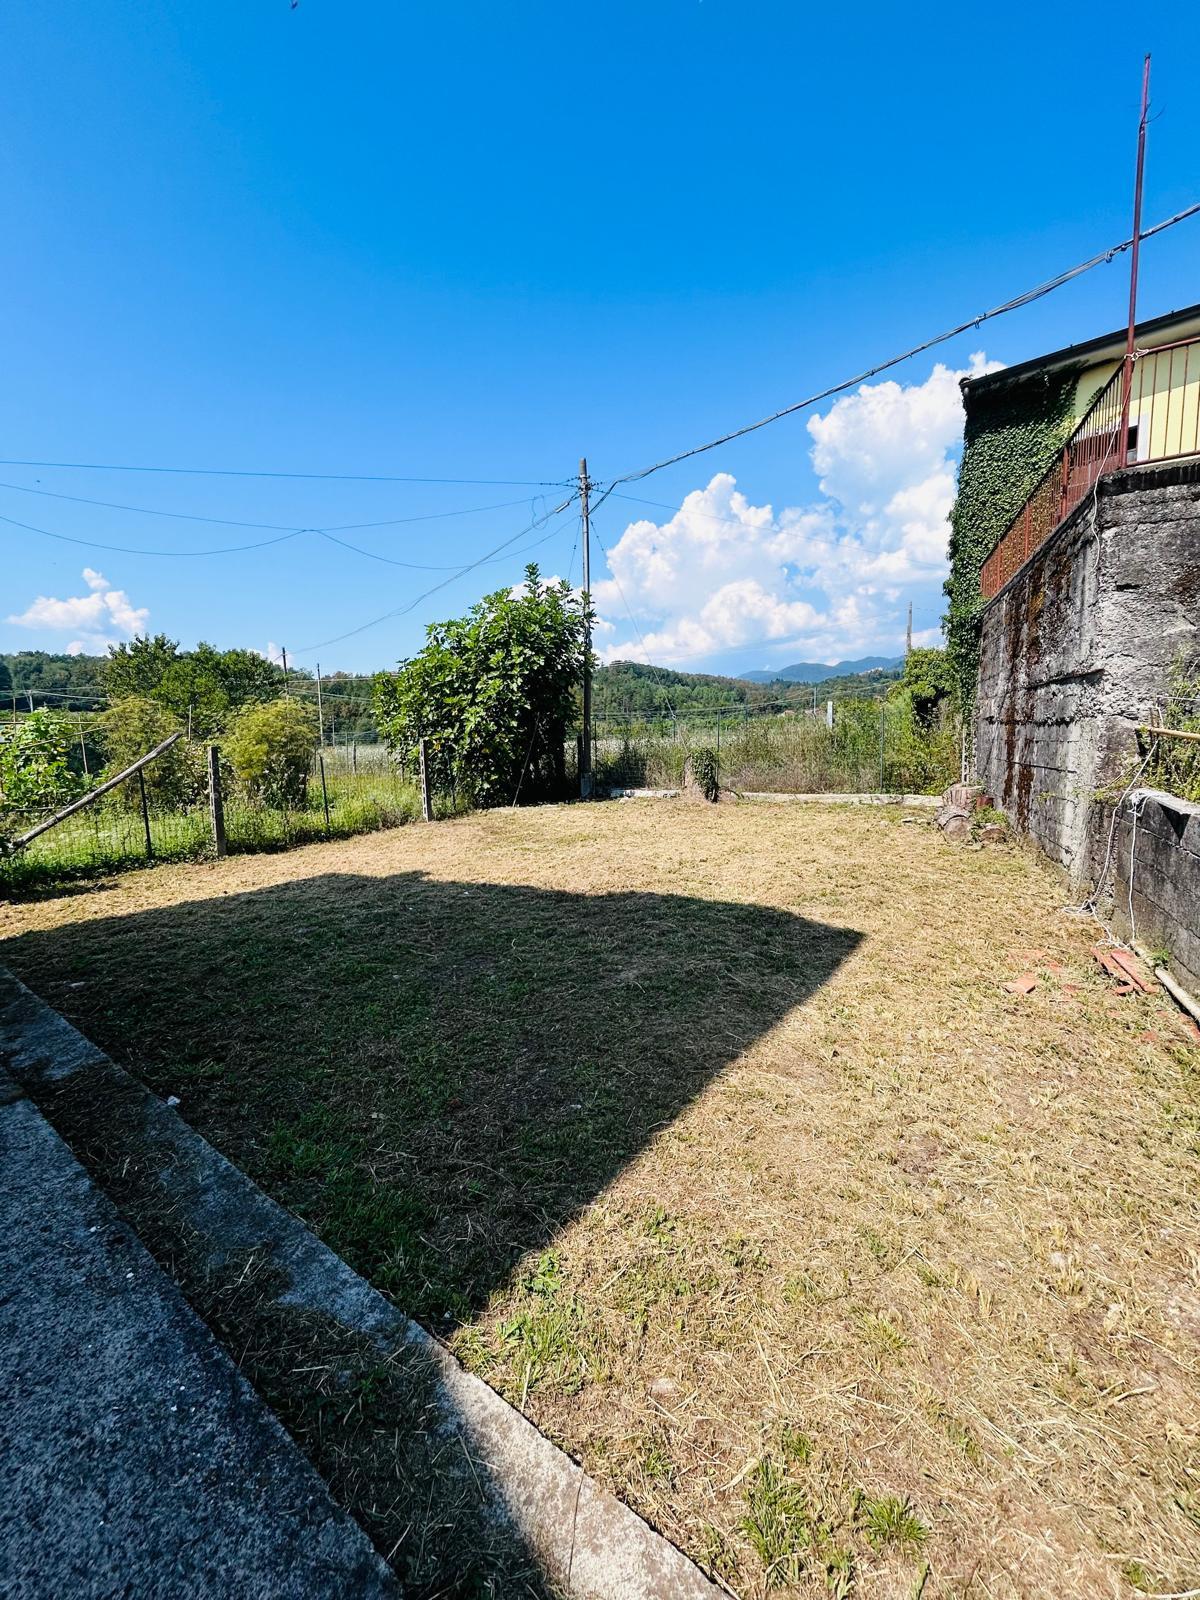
column 930, row 801
column 587, row 1543
column 135, row 1457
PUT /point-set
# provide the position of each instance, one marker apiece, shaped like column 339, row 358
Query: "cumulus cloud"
column 827, row 579
column 100, row 618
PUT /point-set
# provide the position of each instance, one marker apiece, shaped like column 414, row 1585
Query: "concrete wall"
column 1077, row 647
column 1163, row 910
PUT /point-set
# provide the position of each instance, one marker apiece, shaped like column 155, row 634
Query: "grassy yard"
column 712, row 1138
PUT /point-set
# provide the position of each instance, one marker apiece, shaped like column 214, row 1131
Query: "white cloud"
column 98, row 619
column 826, row 580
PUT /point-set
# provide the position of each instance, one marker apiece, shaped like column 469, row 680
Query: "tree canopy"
column 493, row 692
column 202, row 687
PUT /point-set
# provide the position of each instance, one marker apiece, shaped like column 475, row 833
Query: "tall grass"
column 873, row 746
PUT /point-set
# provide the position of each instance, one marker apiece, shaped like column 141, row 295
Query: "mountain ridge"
column 820, row 671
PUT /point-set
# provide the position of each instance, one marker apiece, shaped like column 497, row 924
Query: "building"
column 1076, row 565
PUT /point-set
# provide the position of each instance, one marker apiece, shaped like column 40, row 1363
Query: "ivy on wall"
column 1012, row 433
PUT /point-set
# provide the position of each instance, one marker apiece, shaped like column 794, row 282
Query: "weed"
column 796, row 1446
column 881, row 1332
column 890, row 1521
column 778, row 1523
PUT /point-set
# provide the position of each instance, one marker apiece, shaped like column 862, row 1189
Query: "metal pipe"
column 1135, row 253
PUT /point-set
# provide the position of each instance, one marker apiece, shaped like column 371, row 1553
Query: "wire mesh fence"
column 872, row 746
column 349, row 789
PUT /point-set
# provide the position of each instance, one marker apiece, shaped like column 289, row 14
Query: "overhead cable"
column 1029, row 296
column 401, row 611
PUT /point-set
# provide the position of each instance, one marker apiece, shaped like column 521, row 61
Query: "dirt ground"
column 713, row 1139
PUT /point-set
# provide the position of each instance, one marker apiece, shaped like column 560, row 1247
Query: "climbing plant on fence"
column 1012, row 434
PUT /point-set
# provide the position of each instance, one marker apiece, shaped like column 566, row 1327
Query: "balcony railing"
column 1164, row 423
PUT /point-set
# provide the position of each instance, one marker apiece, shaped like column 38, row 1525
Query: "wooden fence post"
column 141, row 777
column 216, row 804
column 324, row 790
column 426, row 797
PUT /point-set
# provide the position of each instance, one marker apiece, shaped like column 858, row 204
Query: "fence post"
column 145, row 814
column 216, row 802
column 426, row 797
column 829, row 713
column 324, row 790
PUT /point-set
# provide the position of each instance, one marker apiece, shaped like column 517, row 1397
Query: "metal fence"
column 351, row 789
column 1164, row 424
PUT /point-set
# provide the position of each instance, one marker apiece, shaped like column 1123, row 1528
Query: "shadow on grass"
column 436, row 1075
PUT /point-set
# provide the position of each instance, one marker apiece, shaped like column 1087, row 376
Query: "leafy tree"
column 6, row 682
column 37, row 755
column 40, row 671
column 493, row 692
column 138, row 667
column 202, row 687
column 270, row 749
column 930, row 682
column 132, row 727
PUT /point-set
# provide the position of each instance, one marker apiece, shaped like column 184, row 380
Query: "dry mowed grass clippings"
column 712, row 1139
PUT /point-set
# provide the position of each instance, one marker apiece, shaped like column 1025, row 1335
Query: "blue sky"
column 474, row 242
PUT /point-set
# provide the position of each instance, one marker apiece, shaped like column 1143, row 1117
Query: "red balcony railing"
column 1164, row 422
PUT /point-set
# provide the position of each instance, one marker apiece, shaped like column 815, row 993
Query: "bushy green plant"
column 37, row 762
column 493, row 693
column 929, row 683
column 706, row 771
column 270, row 749
column 131, row 728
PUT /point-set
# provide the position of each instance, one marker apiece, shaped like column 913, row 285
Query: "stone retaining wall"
column 1076, row 648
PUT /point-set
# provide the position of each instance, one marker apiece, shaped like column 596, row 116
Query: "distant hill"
column 820, row 672
column 631, row 688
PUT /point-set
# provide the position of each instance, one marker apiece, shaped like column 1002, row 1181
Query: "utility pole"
column 908, row 635
column 1127, row 380
column 320, row 713
column 585, row 751
column 286, row 689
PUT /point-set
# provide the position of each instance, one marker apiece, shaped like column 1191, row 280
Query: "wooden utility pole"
column 286, row 689
column 585, row 760
column 1127, row 380
column 320, row 713
column 908, row 635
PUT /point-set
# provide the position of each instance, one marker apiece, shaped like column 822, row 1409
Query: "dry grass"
column 852, row 1272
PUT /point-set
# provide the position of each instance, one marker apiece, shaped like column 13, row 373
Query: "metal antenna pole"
column 320, row 712
column 1127, row 381
column 585, row 752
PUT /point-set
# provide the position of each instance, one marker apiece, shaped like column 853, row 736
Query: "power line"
column 1025, row 299
column 317, row 477
column 415, row 566
column 129, row 550
column 276, row 527
column 401, row 611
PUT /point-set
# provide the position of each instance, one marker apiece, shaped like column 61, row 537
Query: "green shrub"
column 270, row 749
column 705, row 770
column 493, row 694
column 37, row 755
column 131, row 728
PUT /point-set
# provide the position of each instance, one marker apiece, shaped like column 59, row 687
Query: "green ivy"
column 1012, row 434
column 705, row 771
